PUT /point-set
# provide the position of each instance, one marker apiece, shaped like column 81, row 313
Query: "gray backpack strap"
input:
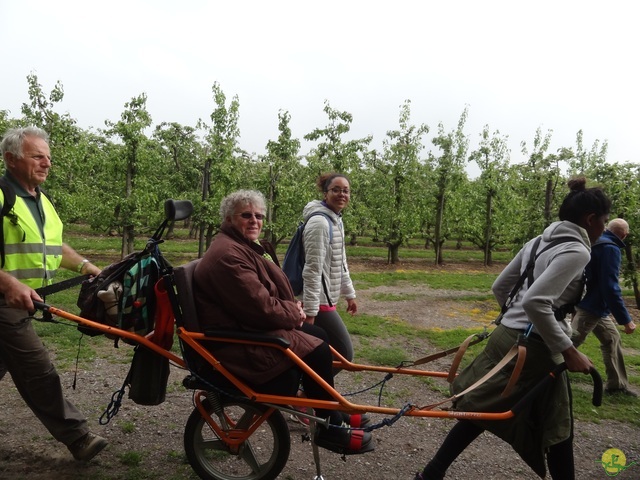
column 527, row 273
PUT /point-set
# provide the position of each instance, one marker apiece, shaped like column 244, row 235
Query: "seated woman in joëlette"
column 237, row 286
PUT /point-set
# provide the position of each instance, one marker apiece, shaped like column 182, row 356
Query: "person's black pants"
column 319, row 360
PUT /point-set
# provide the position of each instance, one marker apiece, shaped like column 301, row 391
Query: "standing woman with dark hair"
column 546, row 426
column 326, row 274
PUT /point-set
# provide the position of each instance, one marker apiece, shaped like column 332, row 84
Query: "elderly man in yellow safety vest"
column 32, row 252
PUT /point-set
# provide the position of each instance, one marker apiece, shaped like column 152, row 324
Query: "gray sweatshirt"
column 557, row 281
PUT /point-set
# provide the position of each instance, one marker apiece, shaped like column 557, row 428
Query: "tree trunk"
column 548, row 202
column 127, row 230
column 631, row 268
column 206, row 179
column 392, row 254
column 488, row 232
column 201, row 240
column 209, row 234
column 271, row 214
column 437, row 241
column 193, row 230
column 127, row 241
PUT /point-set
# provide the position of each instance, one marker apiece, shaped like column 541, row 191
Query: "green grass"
column 377, row 327
column 131, row 459
column 64, row 339
column 390, row 355
column 399, row 337
column 128, row 427
column 469, row 280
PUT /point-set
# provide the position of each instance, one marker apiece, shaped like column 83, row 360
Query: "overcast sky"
column 517, row 66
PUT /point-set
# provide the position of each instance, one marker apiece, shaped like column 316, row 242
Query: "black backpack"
column 133, row 304
column 7, row 204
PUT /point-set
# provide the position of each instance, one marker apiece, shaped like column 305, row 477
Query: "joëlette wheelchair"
column 236, row 432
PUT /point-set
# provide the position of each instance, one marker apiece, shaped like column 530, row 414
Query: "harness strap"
column 63, row 285
column 527, row 273
column 434, row 356
column 517, row 369
column 505, row 360
column 458, row 358
column 523, row 276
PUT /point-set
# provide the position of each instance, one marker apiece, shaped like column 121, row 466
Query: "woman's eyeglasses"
column 338, row 191
column 248, row 215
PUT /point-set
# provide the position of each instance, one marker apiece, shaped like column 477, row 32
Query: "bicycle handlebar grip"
column 40, row 305
column 535, row 391
column 597, row 387
column 596, row 399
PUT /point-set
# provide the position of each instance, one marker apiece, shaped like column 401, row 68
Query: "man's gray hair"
column 244, row 198
column 618, row 227
column 12, row 140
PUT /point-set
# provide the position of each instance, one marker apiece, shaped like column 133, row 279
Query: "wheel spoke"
column 246, row 420
column 248, row 455
column 214, row 444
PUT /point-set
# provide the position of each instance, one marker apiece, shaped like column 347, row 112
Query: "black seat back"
column 187, row 314
column 202, row 374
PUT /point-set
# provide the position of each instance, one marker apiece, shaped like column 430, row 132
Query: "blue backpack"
column 294, row 260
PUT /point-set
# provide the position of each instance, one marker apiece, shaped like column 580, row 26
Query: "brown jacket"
column 236, row 288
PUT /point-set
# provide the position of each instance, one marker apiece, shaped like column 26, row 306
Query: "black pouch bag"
column 148, row 377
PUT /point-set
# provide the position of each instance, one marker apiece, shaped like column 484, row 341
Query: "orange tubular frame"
column 233, row 437
column 195, row 341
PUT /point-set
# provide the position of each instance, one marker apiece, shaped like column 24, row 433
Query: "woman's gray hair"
column 12, row 140
column 244, row 198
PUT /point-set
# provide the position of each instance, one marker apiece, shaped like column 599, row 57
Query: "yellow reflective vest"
column 30, row 256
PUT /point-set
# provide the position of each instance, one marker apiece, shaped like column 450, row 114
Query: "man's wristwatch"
column 81, row 265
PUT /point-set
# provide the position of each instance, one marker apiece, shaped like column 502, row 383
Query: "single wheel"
column 261, row 457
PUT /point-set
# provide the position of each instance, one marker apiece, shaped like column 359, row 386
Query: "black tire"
column 261, row 457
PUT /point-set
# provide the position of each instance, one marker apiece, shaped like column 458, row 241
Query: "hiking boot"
column 87, row 447
column 620, row 391
column 342, row 439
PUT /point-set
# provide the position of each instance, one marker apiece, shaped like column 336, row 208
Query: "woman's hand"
column 352, row 306
column 302, row 315
column 576, row 361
